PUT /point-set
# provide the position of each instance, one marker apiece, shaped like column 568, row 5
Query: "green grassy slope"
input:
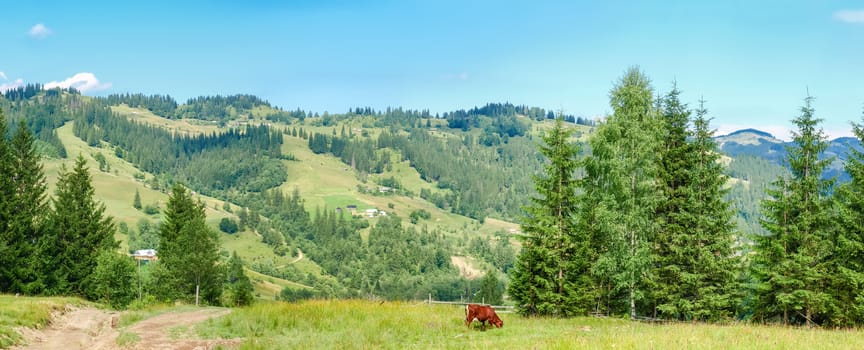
column 352, row 324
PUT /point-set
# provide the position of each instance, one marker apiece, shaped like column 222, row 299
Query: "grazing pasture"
column 354, row 324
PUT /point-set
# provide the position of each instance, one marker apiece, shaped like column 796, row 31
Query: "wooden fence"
column 504, row 309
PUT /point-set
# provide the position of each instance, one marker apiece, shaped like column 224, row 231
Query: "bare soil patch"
column 95, row 329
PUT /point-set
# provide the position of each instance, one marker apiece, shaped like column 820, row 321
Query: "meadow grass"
column 354, row 324
column 28, row 312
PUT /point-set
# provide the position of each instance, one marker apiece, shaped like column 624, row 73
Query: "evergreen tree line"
column 42, row 118
column 503, row 116
column 478, row 180
column 238, row 159
column 213, row 108
column 639, row 226
column 63, row 245
column 645, row 230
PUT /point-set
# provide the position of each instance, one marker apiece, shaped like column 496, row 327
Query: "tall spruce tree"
column 848, row 286
column 547, row 279
column 77, row 233
column 29, row 203
column 791, row 266
column 188, row 252
column 8, row 255
column 622, row 193
column 695, row 266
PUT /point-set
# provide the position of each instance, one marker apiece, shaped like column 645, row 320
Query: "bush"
column 151, row 209
column 228, row 226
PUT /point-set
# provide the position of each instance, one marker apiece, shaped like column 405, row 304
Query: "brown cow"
column 482, row 313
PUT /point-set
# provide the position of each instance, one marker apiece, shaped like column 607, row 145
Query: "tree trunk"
column 196, row 294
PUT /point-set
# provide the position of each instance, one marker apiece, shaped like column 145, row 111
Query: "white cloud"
column 83, row 82
column 3, row 75
column 40, row 31
column 9, row 86
column 849, row 16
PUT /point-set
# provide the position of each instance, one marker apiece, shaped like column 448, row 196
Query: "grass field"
column 28, row 312
column 352, row 324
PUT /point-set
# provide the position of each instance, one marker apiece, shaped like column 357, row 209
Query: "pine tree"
column 695, row 266
column 188, row 252
column 78, row 232
column 136, row 202
column 490, row 291
column 848, row 287
column 240, row 285
column 8, row 254
column 791, row 264
column 548, row 272
column 30, row 206
column 622, row 193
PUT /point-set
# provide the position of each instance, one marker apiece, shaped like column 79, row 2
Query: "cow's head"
column 495, row 320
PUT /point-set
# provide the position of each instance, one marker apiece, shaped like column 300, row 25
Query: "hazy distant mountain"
column 764, row 145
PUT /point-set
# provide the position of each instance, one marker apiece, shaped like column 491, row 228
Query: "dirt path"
column 75, row 329
column 175, row 331
column 92, row 329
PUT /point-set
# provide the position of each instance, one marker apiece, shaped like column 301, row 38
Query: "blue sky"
column 752, row 61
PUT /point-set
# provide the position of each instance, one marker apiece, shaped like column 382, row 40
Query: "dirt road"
column 92, row 329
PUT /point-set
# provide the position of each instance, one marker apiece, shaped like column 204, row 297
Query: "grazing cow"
column 482, row 313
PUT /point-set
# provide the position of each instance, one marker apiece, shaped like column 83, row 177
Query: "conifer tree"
column 188, row 252
column 791, row 265
column 7, row 202
column 490, row 293
column 136, row 201
column 240, row 285
column 548, row 272
column 622, row 193
column 695, row 265
column 77, row 233
column 848, row 286
column 30, row 205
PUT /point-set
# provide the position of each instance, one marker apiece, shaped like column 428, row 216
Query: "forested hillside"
column 447, row 191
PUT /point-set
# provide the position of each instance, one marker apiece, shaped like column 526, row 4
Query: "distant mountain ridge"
column 764, row 145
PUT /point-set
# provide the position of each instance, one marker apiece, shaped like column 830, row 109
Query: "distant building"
column 145, row 254
column 371, row 212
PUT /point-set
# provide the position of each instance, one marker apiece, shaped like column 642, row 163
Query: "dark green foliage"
column 791, row 266
column 103, row 163
column 491, row 289
column 549, row 277
column 695, row 269
column 114, row 280
column 223, row 108
column 188, row 252
column 151, row 209
column 8, row 252
column 622, row 194
column 136, row 201
column 77, row 232
column 239, row 284
column 418, row 214
column 146, row 236
column 848, row 282
column 240, row 158
column 228, row 225
column 28, row 211
column 164, row 106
